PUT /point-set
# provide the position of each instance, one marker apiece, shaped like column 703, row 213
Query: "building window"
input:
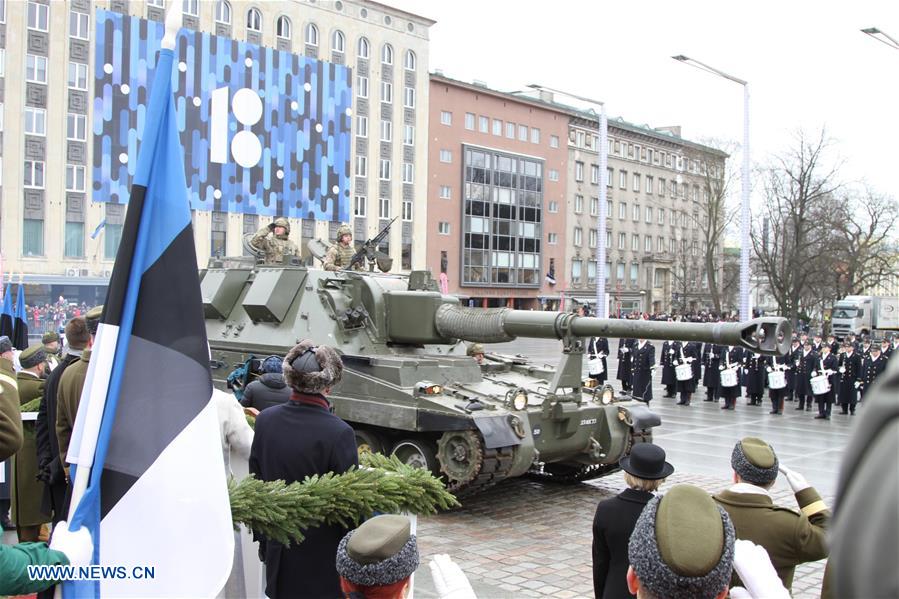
column 112, row 237
column 635, row 215
column 35, row 121
column 254, row 20
column 363, row 48
column 408, row 172
column 386, row 92
column 407, row 210
column 361, row 126
column 594, row 238
column 2, row 60
column 483, row 124
column 510, row 130
column 77, row 76
column 622, row 179
column 662, row 185
column 445, row 192
column 622, row 241
column 410, row 61
column 219, row 243
column 553, row 174
column 635, row 242
column 649, row 184
column 79, row 25
column 446, row 117
column 223, row 12
column 497, row 127
column 535, row 135
column 408, row 135
column 157, row 4
column 443, row 228
column 74, row 178
column 609, row 208
column 636, row 181
column 674, row 189
column 619, row 271
column 578, row 204
column 409, row 97
column 647, row 244
column 386, row 131
column 522, row 133
column 2, row 11
column 661, row 216
column 660, row 244
column 384, row 171
column 387, row 54
column 622, row 210
column 552, row 238
column 33, row 237
column 446, row 156
column 35, row 68
column 608, row 244
column 361, row 166
column 361, row 86
column 553, row 206
column 594, row 206
column 74, row 243
column 38, row 19
column 338, row 42
column 576, row 266
column 76, row 127
column 34, row 174
column 554, row 141
column 360, row 205
column 578, row 171
column 649, row 215
column 191, row 7
column 383, row 208
column 578, row 236
column 469, row 121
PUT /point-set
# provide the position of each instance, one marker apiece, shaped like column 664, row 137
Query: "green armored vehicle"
column 410, row 388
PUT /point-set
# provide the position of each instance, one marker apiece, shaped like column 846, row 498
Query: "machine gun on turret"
column 368, row 252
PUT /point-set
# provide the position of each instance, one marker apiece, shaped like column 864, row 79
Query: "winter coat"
column 805, row 363
column 644, row 358
column 613, row 524
column 711, row 359
column 596, row 347
column 754, row 373
column 668, row 360
column 851, row 366
column 690, row 350
column 624, row 360
column 27, row 491
column 265, row 392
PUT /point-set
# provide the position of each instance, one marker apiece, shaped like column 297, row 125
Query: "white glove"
column 857, row 384
column 671, row 351
column 796, row 480
column 842, row 369
column 450, row 581
column 759, row 577
column 76, row 545
column 722, row 368
column 769, row 369
column 624, row 350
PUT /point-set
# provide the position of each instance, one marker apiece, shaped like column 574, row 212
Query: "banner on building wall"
column 264, row 131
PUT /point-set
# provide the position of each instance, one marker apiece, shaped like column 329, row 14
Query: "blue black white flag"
column 149, row 478
column 7, row 317
column 20, row 321
column 98, row 229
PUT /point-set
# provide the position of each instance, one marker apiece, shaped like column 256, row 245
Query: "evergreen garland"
column 280, row 512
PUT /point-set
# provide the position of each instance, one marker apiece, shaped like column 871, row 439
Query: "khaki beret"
column 50, row 337
column 32, row 356
column 378, row 538
column 94, row 313
column 380, row 552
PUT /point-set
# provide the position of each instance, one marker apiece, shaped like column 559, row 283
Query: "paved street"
column 527, row 539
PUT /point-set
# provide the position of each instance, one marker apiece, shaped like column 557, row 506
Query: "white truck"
column 863, row 314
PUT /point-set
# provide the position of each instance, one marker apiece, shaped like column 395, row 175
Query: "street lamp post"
column 744, row 177
column 882, row 37
column 602, row 306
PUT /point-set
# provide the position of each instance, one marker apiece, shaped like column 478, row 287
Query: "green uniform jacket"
column 275, row 247
column 27, row 491
column 67, row 399
column 10, row 417
column 14, row 562
column 790, row 538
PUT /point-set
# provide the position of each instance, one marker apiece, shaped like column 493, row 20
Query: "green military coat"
column 27, row 491
column 68, row 397
column 14, row 562
column 10, row 418
column 790, row 537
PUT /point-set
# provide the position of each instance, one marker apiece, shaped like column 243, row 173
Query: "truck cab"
column 852, row 314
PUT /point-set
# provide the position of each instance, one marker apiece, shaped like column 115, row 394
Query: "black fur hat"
column 312, row 369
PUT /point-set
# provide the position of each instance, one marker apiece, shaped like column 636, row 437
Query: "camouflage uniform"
column 339, row 255
column 274, row 246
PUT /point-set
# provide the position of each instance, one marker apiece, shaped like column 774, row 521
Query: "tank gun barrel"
column 768, row 336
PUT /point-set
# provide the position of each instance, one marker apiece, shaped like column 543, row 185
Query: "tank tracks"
column 495, row 467
column 570, row 474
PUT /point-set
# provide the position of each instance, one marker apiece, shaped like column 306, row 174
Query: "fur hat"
column 5, row 344
column 50, row 337
column 755, row 461
column 382, row 551
column 311, row 369
column 32, row 356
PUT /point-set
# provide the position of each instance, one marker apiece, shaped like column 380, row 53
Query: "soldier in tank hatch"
column 341, row 253
column 274, row 241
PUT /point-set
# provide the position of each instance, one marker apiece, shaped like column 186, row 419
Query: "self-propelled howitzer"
column 409, row 387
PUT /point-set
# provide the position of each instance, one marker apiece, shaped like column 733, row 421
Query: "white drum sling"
column 777, row 379
column 683, row 372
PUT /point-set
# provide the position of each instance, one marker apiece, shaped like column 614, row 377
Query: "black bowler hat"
column 646, row 461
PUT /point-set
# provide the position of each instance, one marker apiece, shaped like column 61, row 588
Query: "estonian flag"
column 149, row 477
column 20, row 321
column 7, row 328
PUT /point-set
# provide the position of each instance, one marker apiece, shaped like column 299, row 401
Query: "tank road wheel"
column 416, row 453
column 461, row 457
column 368, row 441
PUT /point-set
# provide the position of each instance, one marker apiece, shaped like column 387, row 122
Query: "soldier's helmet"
column 344, row 230
column 282, row 222
column 475, row 349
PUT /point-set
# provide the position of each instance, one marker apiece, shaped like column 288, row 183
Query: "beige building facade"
column 47, row 217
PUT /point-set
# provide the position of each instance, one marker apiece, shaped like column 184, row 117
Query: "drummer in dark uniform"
column 732, row 358
column 827, row 366
column 643, row 361
column 688, row 354
column 834, row 344
column 873, row 365
column 804, row 366
column 754, row 377
column 669, row 359
column 711, row 359
column 782, row 364
column 795, row 352
column 850, row 369
column 624, row 363
column 598, row 348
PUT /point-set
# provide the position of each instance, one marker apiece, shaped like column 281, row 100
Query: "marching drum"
column 820, row 384
column 729, row 377
column 594, row 366
column 684, row 372
column 777, row 379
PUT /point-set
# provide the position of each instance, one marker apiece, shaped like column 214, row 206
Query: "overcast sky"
column 807, row 64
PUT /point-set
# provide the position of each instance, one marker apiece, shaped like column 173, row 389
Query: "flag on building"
column 149, row 477
column 20, row 321
column 98, row 229
column 7, row 317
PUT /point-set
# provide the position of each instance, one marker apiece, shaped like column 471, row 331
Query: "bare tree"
column 865, row 251
column 685, row 273
column 791, row 233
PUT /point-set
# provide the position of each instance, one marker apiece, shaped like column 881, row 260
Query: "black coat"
column 735, row 357
column 693, row 350
column 599, row 346
column 851, row 373
column 711, row 359
column 642, row 361
column 267, row 391
column 624, row 360
column 830, row 364
column 804, row 366
column 613, row 524
column 754, row 373
column 293, row 441
column 668, row 360
column 871, row 369
column 49, row 466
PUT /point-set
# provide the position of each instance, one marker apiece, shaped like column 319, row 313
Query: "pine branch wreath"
column 384, row 484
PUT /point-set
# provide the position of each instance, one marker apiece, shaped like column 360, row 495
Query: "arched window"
column 311, row 34
column 363, row 48
column 254, row 20
column 223, row 12
column 387, row 54
column 338, row 42
column 282, row 27
column 410, row 60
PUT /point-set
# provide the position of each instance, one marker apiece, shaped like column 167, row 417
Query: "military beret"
column 93, row 318
column 682, row 546
column 309, row 368
column 380, row 552
column 5, row 344
column 755, row 461
column 33, row 356
column 50, row 337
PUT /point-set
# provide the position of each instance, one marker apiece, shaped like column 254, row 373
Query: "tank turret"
column 409, row 388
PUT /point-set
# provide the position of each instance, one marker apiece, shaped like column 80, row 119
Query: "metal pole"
column 602, row 306
column 744, row 217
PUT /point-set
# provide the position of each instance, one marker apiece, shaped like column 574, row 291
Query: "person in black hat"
column 269, row 389
column 645, row 469
column 292, row 441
